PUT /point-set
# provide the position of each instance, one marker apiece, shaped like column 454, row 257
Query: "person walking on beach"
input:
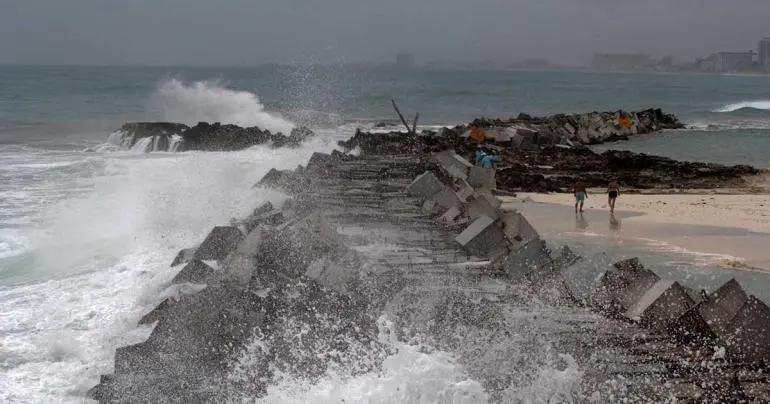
column 580, row 192
column 613, row 191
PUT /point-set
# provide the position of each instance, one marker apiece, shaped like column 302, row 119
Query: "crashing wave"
column 763, row 105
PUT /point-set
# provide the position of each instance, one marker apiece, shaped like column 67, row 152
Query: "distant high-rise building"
column 764, row 53
column 405, row 60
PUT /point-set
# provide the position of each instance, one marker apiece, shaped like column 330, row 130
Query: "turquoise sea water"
column 86, row 236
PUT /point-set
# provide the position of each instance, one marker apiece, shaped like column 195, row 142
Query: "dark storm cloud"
column 237, row 32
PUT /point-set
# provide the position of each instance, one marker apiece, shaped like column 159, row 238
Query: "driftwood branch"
column 401, row 116
column 414, row 124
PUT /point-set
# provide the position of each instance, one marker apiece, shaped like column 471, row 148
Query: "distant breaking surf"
column 763, row 105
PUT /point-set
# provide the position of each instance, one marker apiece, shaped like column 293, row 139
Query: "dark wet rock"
column 552, row 165
column 169, row 136
column 183, row 256
column 220, row 242
column 195, row 272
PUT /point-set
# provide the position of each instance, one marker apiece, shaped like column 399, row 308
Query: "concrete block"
column 748, row 334
column 425, row 186
column 133, row 358
column 195, row 271
column 465, row 191
column 451, row 215
column 661, row 306
column 483, row 238
column 183, row 256
column 479, row 177
column 219, row 243
column 722, row 305
column 429, row 205
column 447, row 198
column 584, row 278
column 272, row 218
column 527, row 259
column 157, row 313
column 627, row 285
column 517, row 228
column 453, row 163
column 272, row 178
column 691, row 328
column 479, row 205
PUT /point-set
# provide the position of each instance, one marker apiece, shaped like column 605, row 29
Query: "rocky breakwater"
column 176, row 137
column 555, row 167
column 418, row 238
column 586, row 128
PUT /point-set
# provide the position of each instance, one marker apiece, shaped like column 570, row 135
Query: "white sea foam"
column 210, row 101
column 409, row 376
column 762, row 104
column 99, row 260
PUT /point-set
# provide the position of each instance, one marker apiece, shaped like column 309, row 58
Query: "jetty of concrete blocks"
column 505, row 238
column 727, row 318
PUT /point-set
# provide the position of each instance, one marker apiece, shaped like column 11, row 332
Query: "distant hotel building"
column 622, row 61
column 733, row 61
column 764, row 53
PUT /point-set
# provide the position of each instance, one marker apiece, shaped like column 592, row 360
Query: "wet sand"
column 734, row 228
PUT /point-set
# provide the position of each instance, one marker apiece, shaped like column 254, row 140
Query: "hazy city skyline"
column 238, row 33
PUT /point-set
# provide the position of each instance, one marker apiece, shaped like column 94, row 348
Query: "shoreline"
column 731, row 225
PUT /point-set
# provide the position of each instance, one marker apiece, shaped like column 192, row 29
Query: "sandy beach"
column 734, row 228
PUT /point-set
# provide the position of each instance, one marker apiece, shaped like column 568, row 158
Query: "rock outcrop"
column 587, row 128
column 554, row 168
column 177, row 137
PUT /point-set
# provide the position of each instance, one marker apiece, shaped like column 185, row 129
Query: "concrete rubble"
column 459, row 257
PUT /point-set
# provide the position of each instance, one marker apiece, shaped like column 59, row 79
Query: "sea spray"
column 412, row 374
column 209, row 101
column 99, row 259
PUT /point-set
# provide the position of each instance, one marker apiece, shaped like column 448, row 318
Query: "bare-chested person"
column 580, row 192
column 613, row 191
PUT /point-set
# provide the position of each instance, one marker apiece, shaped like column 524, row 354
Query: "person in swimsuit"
column 613, row 191
column 580, row 192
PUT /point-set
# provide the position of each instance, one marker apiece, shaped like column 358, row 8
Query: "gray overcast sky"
column 242, row 32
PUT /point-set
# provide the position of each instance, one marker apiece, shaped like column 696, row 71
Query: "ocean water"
column 86, row 237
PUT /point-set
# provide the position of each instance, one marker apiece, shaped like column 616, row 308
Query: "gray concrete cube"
column 584, row 278
column 748, row 334
column 425, row 186
column 480, row 177
column 526, row 259
column 453, row 163
column 483, row 238
column 661, row 305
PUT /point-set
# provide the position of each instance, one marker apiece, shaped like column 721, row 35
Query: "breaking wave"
column 209, row 101
column 745, row 106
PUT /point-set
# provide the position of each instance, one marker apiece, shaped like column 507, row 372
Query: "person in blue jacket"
column 488, row 161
